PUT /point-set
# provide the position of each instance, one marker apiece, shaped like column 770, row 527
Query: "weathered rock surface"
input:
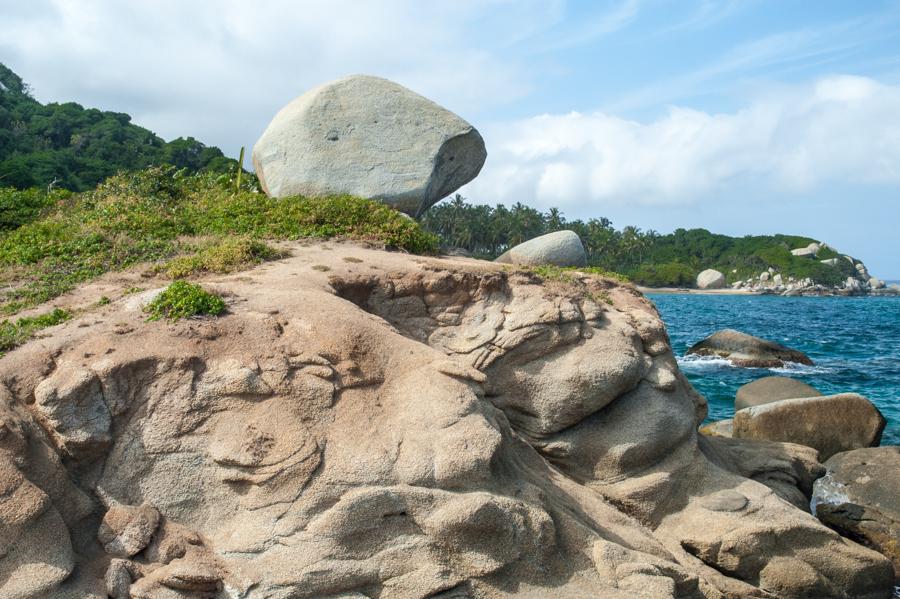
column 710, row 279
column 746, row 350
column 368, row 137
column 769, row 389
column 830, row 423
column 560, row 248
column 719, row 428
column 396, row 426
column 809, row 251
column 860, row 498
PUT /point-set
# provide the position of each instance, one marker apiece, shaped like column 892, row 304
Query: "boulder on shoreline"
column 368, row 137
column 710, row 279
column 860, row 498
column 746, row 350
column 769, row 389
column 560, row 248
column 829, row 423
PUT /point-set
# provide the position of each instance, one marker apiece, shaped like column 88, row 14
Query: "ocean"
column 854, row 342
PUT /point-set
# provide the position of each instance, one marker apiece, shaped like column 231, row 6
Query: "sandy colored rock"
column 746, row 350
column 860, row 498
column 719, row 428
column 830, row 424
column 561, row 248
column 769, row 389
column 126, row 529
column 368, row 137
column 710, row 279
column 396, row 426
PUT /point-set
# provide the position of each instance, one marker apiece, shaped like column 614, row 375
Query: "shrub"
column 13, row 334
column 184, row 300
column 153, row 215
column 223, row 256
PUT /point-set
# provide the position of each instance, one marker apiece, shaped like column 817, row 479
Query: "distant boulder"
column 368, row 137
column 561, row 248
column 771, row 388
column 831, row 261
column 746, row 350
column 809, row 251
column 710, row 279
column 830, row 423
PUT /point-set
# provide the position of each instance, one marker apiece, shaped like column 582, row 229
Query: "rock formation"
column 710, row 279
column 860, row 498
column 366, row 424
column 368, row 137
column 746, row 350
column 561, row 248
column 830, row 424
column 771, row 388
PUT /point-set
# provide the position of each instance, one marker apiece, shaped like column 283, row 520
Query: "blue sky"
column 741, row 117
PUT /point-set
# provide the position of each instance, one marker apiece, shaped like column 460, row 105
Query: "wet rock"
column 746, row 350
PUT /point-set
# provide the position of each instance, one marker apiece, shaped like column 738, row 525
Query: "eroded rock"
column 421, row 428
column 746, row 350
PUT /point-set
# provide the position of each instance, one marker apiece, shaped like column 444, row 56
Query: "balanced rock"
column 368, row 137
column 860, row 498
column 830, row 423
column 746, row 350
column 710, row 279
column 560, row 248
column 769, row 389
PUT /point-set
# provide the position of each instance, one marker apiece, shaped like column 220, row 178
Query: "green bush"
column 669, row 274
column 13, row 334
column 184, row 300
column 155, row 215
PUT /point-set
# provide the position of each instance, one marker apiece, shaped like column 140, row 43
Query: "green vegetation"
column 221, row 256
column 645, row 257
column 15, row 333
column 184, row 300
column 71, row 147
column 159, row 214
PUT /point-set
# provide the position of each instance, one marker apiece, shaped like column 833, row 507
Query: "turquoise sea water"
column 854, row 342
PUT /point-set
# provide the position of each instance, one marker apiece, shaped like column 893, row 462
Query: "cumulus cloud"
column 837, row 129
column 219, row 71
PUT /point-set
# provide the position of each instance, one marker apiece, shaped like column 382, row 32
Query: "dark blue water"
column 854, row 342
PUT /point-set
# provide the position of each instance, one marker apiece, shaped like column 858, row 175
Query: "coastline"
column 686, row 290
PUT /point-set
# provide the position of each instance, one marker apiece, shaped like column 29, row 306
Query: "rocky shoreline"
column 362, row 423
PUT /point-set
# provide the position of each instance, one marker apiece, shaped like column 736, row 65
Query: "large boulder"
column 365, row 423
column 746, row 350
column 769, row 389
column 368, row 137
column 830, row 423
column 860, row 498
column 561, row 248
column 809, row 251
column 710, row 279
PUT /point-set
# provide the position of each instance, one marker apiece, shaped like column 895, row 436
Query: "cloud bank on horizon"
column 741, row 117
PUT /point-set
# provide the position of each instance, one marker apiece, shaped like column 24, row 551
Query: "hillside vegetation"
column 179, row 222
column 75, row 148
column 646, row 257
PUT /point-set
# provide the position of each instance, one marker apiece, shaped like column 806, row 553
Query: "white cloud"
column 219, row 71
column 838, row 129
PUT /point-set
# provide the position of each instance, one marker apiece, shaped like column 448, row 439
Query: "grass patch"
column 184, row 300
column 223, row 256
column 15, row 333
column 147, row 216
